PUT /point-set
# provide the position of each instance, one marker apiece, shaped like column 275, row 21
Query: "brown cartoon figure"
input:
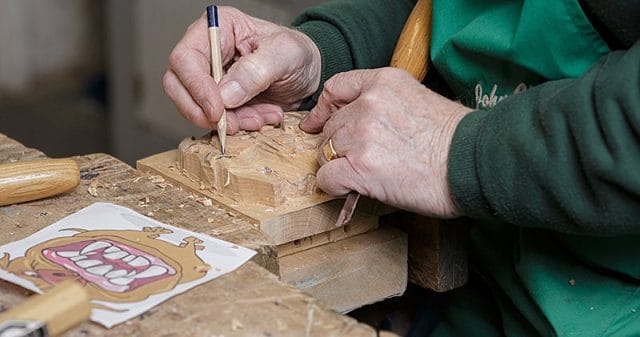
column 113, row 265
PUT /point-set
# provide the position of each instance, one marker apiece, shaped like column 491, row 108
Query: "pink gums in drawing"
column 113, row 266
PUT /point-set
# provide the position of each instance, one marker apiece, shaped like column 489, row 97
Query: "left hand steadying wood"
column 392, row 137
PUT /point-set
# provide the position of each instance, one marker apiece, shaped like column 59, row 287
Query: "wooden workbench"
column 247, row 302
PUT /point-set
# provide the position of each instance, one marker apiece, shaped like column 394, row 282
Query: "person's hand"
column 270, row 68
column 392, row 137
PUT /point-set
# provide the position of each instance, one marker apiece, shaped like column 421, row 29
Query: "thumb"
column 337, row 177
column 340, row 90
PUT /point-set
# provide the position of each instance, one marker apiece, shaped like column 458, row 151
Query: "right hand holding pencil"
column 270, row 69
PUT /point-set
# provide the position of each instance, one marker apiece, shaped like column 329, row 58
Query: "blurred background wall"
column 82, row 76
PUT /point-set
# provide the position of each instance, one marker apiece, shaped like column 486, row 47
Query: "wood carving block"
column 267, row 177
column 270, row 167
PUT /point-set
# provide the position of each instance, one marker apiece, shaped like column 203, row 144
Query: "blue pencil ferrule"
column 212, row 16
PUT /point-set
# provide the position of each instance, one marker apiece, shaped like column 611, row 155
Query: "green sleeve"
column 564, row 155
column 356, row 34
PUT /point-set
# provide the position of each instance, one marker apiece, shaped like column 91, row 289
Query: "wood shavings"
column 181, row 206
column 210, row 220
column 93, row 187
column 216, row 232
column 137, row 179
column 205, row 201
column 150, row 214
column 156, row 179
column 281, row 326
column 144, row 202
column 309, row 325
column 236, row 325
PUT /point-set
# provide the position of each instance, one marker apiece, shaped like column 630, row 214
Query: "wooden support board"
column 267, row 177
column 247, row 302
column 437, row 250
column 334, row 235
column 328, row 269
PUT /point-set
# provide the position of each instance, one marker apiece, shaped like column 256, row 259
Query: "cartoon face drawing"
column 113, row 265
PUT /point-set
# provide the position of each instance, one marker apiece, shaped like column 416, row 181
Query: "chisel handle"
column 37, row 179
column 63, row 307
column 412, row 49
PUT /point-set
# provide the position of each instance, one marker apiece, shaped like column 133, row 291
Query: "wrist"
column 450, row 207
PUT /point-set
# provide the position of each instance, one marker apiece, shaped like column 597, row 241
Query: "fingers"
column 189, row 63
column 184, row 102
column 338, row 91
column 253, row 117
column 337, row 177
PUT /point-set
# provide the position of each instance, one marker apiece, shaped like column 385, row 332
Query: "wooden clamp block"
column 351, row 273
column 437, row 250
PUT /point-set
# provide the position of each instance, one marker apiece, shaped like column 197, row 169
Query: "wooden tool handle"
column 62, row 308
column 31, row 180
column 412, row 50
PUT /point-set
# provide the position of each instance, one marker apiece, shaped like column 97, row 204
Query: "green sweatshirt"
column 550, row 176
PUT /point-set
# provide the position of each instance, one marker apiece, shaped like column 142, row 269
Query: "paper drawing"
column 127, row 263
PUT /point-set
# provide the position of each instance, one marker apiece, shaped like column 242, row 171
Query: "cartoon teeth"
column 116, row 273
column 68, row 253
column 100, row 270
column 139, row 262
column 116, row 255
column 121, row 281
column 94, row 246
column 104, row 262
column 77, row 258
column 152, row 271
column 88, row 263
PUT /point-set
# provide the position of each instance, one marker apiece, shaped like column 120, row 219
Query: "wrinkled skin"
column 392, row 134
column 270, row 69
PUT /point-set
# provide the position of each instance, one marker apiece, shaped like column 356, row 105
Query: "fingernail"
column 232, row 94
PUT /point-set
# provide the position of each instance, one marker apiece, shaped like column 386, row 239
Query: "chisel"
column 49, row 314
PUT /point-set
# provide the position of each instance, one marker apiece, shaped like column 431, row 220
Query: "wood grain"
column 371, row 265
column 37, row 179
column 247, row 302
column 412, row 49
column 437, row 250
column 61, row 309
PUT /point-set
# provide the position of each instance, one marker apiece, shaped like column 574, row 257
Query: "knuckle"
column 178, row 56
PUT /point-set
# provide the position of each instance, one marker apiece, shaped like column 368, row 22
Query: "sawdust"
column 144, row 202
column 94, row 186
column 236, row 325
